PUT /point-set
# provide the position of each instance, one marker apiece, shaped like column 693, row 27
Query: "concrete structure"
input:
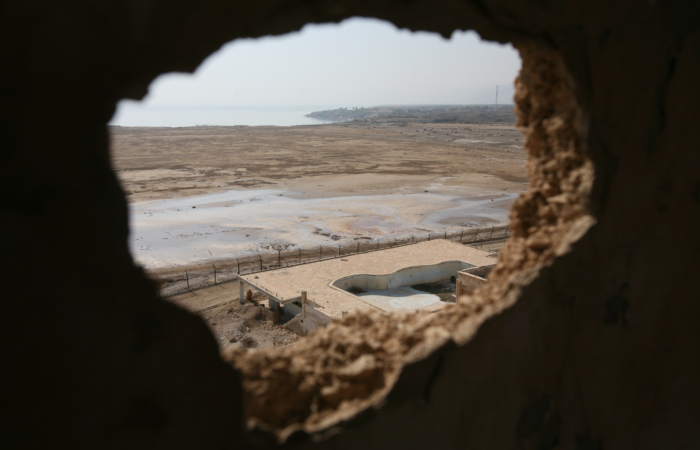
column 327, row 282
column 469, row 280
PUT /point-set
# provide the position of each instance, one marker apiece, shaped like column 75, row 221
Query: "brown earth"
column 369, row 156
column 587, row 340
column 251, row 325
column 338, row 159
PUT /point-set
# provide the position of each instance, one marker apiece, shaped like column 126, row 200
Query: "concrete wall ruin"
column 306, row 322
column 573, row 345
column 468, row 281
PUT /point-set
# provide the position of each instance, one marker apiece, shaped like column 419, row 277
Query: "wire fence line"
column 227, row 270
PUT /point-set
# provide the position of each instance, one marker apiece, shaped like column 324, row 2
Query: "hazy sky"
column 360, row 62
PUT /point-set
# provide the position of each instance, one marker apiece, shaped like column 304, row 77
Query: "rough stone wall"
column 574, row 345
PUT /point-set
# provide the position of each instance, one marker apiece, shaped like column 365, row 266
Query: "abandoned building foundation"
column 323, row 291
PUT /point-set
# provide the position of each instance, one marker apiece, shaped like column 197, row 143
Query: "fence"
column 226, row 270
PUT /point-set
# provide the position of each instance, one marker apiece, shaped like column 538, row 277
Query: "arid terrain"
column 201, row 195
column 161, row 163
column 207, row 193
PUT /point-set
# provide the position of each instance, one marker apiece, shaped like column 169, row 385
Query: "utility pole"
column 496, row 95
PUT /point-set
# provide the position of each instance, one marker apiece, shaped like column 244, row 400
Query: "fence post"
column 303, row 304
column 338, row 249
column 320, row 250
column 491, row 233
column 260, row 261
column 358, row 247
column 461, row 235
column 241, row 291
column 279, row 258
column 187, row 276
column 239, row 267
column 299, row 256
column 445, row 235
column 214, row 274
column 428, row 237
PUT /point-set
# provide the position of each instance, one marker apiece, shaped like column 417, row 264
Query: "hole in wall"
column 401, row 198
column 352, row 364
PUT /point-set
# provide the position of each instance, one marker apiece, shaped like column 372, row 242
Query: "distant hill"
column 423, row 114
column 343, row 114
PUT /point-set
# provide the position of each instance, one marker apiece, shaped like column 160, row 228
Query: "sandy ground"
column 161, row 163
column 209, row 193
column 206, row 193
column 250, row 325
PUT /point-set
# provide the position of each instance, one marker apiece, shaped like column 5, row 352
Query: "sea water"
column 135, row 114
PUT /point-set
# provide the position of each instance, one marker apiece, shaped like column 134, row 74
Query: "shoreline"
column 206, row 193
column 201, row 229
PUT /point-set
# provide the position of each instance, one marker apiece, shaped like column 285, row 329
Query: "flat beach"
column 206, row 193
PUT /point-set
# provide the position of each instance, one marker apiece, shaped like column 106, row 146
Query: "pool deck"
column 316, row 278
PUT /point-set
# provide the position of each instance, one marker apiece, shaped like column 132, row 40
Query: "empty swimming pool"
column 409, row 288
